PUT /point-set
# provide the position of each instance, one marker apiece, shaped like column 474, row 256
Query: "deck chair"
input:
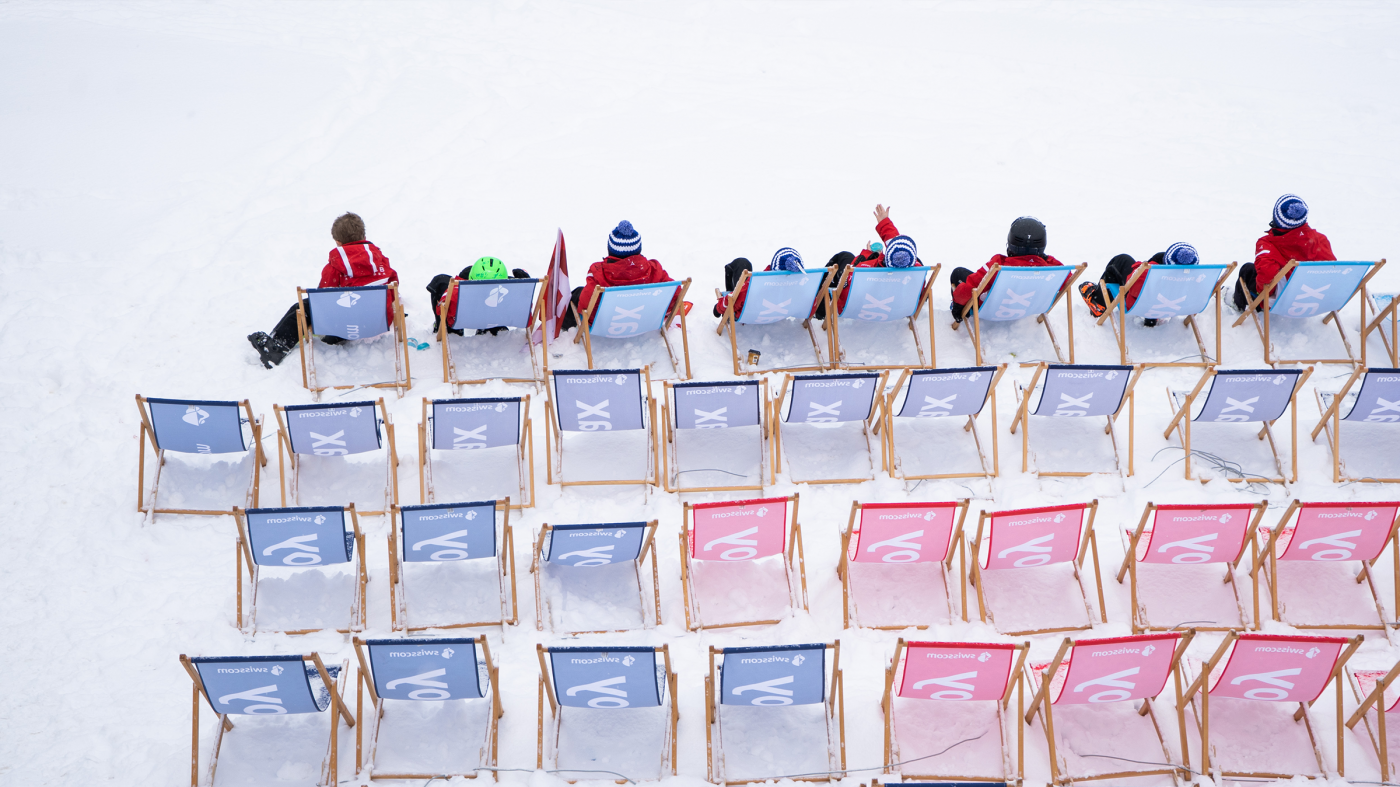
column 949, row 690
column 314, row 434
column 1051, row 540
column 1168, row 291
column 616, row 697
column 478, row 540
column 887, row 579
column 627, row 312
column 941, row 393
column 478, row 425
column 774, row 297
column 192, row 426
column 729, row 551
column 826, row 402
column 877, row 295
column 295, row 543
column 1375, row 702
column 594, row 568
column 352, row 314
column 1078, row 392
column 426, row 722
column 601, row 400
column 1384, row 306
column 1322, row 536
column 1314, row 288
column 483, row 305
column 1266, row 668
column 743, row 693
column 1188, row 542
column 1015, row 293
column 293, row 686
column 689, row 413
column 1377, row 401
column 1242, row 396
column 1118, row 678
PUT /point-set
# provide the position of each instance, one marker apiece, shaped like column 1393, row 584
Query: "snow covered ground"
column 170, row 173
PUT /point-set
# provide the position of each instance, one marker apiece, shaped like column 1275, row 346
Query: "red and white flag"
column 557, row 292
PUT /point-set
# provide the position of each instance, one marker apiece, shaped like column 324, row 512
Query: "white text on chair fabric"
column 425, row 669
column 634, row 310
column 956, row 671
column 1175, row 290
column 448, row 531
column 595, row 545
column 494, row 303
column 1034, row 537
column 197, row 427
column 831, row 399
column 1316, row 288
column 738, row 530
column 598, row 401
column 1329, row 532
column 1275, row 668
column 778, row 295
column 1079, row 391
column 1378, row 401
column 299, row 536
column 466, row 424
column 1116, row 669
column 881, row 294
column 716, row 405
column 785, row 675
column 605, row 677
column 1022, row 292
column 903, row 532
column 1249, row 395
column 349, row 312
column 333, row 429
column 938, row 393
column 1185, row 534
column 258, row 685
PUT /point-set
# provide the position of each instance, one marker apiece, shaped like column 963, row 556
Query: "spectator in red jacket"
column 1025, row 247
column 1289, row 238
column 896, row 251
column 484, row 269
column 354, row 262
column 623, row 266
column 1122, row 267
column 785, row 259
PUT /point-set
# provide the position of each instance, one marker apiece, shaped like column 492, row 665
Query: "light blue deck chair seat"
column 596, row 570
column 615, row 699
column 292, row 541
column 292, row 687
column 601, row 401
column 1241, row 396
column 636, row 310
column 1079, row 392
column 1314, row 289
column 478, row 425
column 483, row 305
column 427, row 723
column 959, row 395
column 351, row 314
column 826, row 402
column 1384, row 308
column 199, row 427
column 1376, row 402
column 318, row 433
column 477, row 539
column 773, row 297
column 690, row 412
column 875, row 295
column 1015, row 293
column 1169, row 291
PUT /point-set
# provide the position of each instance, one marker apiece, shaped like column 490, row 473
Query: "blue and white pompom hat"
column 787, row 260
column 624, row 241
column 1290, row 212
column 1181, row 254
column 901, row 252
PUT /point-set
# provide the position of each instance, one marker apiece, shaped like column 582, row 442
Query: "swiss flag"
column 557, row 291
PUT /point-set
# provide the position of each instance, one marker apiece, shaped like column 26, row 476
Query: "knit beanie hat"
column 624, row 241
column 1290, row 212
column 901, row 252
column 787, row 260
column 1181, row 254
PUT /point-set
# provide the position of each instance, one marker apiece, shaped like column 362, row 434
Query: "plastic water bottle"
column 417, row 345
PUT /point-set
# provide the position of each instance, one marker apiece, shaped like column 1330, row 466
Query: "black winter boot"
column 271, row 351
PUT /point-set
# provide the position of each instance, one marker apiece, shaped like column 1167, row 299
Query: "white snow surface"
column 170, row 173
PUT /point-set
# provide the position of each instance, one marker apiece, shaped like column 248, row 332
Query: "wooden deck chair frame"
column 284, row 443
column 553, row 433
column 243, row 553
column 1377, row 735
column 1181, row 422
column 148, row 432
column 957, row 542
column 524, row 458
column 1377, row 324
column 330, row 766
column 403, row 375
column 834, row 701
column 730, row 320
column 668, row 438
column 546, row 689
column 1265, row 335
column 871, row 424
column 1330, row 422
column 678, row 310
column 1023, row 418
column 1087, row 546
column 975, row 329
column 449, row 363
column 505, row 564
column 889, row 456
column 364, row 680
column 1120, row 326
column 648, row 548
column 832, row 325
column 693, row 621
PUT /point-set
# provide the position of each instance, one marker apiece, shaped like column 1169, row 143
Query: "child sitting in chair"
column 1121, row 268
column 1289, row 238
column 894, row 251
column 1025, row 247
column 484, row 269
column 785, row 259
column 623, row 266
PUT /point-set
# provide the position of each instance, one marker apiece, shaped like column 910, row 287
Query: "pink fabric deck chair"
column 742, row 562
column 896, row 560
column 1376, row 701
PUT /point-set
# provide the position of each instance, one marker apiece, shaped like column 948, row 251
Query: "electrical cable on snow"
column 1213, row 460
column 877, row 767
column 711, row 470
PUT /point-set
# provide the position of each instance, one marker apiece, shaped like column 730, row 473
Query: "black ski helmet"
column 1027, row 236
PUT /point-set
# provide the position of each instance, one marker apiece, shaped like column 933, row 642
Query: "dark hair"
column 1158, row 258
column 841, row 258
column 349, row 228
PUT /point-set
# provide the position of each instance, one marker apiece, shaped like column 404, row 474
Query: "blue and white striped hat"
column 787, row 260
column 624, row 241
column 1290, row 212
column 1181, row 254
column 901, row 252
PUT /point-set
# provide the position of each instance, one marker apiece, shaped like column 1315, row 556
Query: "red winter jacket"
column 963, row 292
column 621, row 272
column 871, row 259
column 359, row 264
column 1137, row 285
column 1274, row 250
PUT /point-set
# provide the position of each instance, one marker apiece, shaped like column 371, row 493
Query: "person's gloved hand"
column 519, row 273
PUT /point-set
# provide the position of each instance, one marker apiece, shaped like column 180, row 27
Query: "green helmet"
column 488, row 268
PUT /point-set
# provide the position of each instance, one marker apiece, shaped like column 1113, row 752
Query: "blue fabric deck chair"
column 629, row 312
column 764, row 701
column 296, row 543
column 477, row 539
column 897, row 563
column 595, row 568
column 931, row 394
column 1078, row 392
column 1313, row 289
column 490, row 426
column 701, row 415
column 1384, row 307
column 482, row 305
column 826, row 402
column 193, row 426
column 427, row 722
column 774, row 297
column 292, row 686
column 316, row 435
column 1015, row 293
column 1241, row 396
column 609, row 693
column 1377, row 401
column 1168, row 291
column 595, row 402
column 876, row 295
column 742, row 562
column 352, row 314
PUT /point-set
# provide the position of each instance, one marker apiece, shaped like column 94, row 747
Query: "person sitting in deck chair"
column 895, row 251
column 1025, row 247
column 623, row 266
column 484, row 268
column 354, row 262
column 786, row 259
column 1121, row 268
column 1289, row 238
